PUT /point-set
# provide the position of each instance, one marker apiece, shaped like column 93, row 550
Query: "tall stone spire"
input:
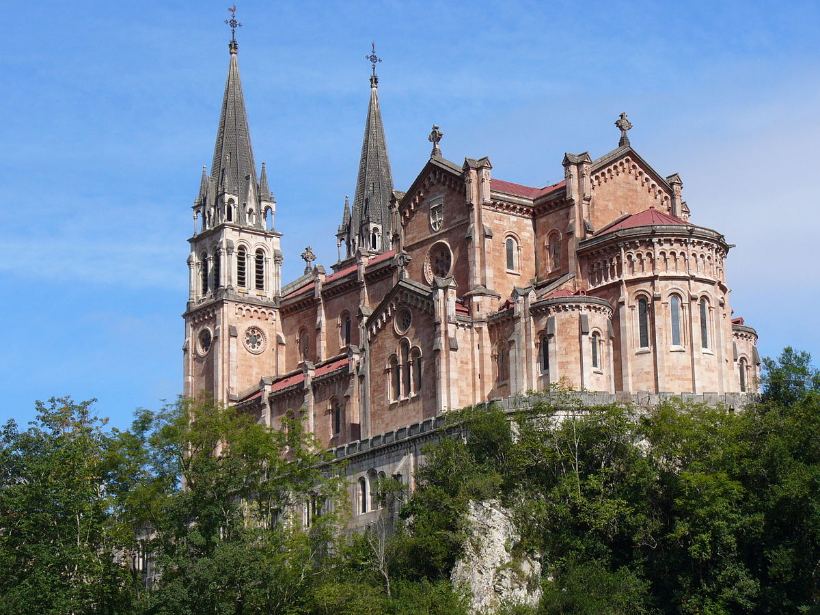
column 233, row 167
column 369, row 223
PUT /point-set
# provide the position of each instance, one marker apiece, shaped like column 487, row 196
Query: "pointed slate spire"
column 371, row 204
column 264, row 189
column 345, row 225
column 233, row 168
column 203, row 186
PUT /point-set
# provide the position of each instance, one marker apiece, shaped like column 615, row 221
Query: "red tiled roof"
column 288, row 381
column 528, row 192
column 296, row 291
column 331, row 367
column 251, row 396
column 461, row 308
column 561, row 292
column 738, row 321
column 381, row 257
column 648, row 217
column 327, row 368
column 341, row 273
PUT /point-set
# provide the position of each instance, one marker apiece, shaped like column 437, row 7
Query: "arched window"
column 545, row 353
column 554, row 248
column 405, row 368
column 241, row 267
column 674, row 314
column 643, row 323
column 362, row 495
column 512, row 254
column 336, row 410
column 741, row 365
column 269, row 218
column 395, row 379
column 250, row 216
column 373, row 482
column 415, row 360
column 503, row 363
column 217, row 259
column 374, row 239
column 346, row 329
column 259, row 269
column 302, row 344
column 229, row 211
column 595, row 341
column 380, row 485
column 203, row 266
column 704, row 323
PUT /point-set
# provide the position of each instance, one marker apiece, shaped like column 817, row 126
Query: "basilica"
column 458, row 289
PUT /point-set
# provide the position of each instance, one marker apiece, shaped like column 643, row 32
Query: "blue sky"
column 110, row 109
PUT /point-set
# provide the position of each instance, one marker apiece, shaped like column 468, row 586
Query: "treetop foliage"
column 679, row 509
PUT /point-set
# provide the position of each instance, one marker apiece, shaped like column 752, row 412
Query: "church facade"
column 460, row 289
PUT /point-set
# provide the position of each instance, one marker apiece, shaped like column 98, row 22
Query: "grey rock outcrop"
column 488, row 569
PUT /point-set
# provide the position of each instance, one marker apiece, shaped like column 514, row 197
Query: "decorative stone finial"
column 233, row 24
column 435, row 138
column 623, row 124
column 308, row 256
column 373, row 59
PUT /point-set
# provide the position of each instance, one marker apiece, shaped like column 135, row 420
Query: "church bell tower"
column 232, row 322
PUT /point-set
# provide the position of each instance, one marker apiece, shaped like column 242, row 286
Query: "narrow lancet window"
column 204, row 272
column 362, row 495
column 704, row 323
column 241, row 267
column 742, row 374
column 674, row 311
column 595, row 341
column 511, row 253
column 643, row 323
column 259, row 269
column 545, row 354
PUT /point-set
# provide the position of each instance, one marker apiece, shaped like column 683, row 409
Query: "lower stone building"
column 462, row 289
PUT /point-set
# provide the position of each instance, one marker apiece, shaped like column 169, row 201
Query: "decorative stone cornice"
column 654, row 233
column 570, row 304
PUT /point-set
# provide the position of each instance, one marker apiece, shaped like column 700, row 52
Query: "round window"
column 438, row 263
column 403, row 320
column 204, row 340
column 254, row 340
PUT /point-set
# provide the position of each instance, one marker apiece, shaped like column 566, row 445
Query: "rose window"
column 439, row 262
column 204, row 340
column 403, row 320
column 254, row 340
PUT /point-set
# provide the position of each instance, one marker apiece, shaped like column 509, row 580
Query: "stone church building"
column 458, row 289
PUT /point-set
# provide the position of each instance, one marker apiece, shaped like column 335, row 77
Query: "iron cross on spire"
column 373, row 59
column 623, row 124
column 233, row 24
column 308, row 256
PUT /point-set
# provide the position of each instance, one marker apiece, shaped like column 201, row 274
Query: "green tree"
column 220, row 502
column 60, row 544
column 790, row 377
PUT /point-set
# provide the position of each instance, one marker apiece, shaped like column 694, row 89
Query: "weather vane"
column 233, row 23
column 373, row 59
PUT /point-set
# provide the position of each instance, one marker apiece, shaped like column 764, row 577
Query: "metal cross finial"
column 623, row 124
column 233, row 24
column 308, row 256
column 435, row 138
column 373, row 59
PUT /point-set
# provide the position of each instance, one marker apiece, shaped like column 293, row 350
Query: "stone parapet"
column 426, row 429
